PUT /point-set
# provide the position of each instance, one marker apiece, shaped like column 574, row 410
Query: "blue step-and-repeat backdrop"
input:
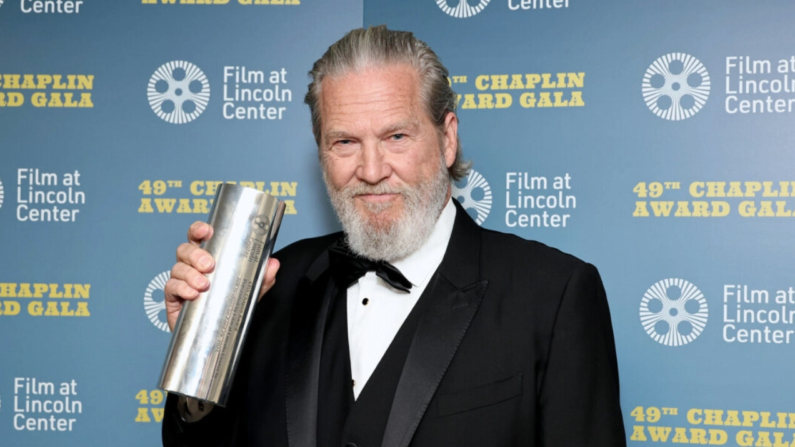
column 652, row 139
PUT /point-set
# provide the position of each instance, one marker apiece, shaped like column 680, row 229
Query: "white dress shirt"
column 376, row 310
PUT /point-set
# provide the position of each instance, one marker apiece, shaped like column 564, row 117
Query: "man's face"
column 378, row 141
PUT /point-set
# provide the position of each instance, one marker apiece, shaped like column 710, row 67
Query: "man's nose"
column 373, row 165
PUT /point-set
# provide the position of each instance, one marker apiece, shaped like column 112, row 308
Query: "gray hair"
column 378, row 46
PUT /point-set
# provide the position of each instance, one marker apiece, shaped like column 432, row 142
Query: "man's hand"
column 187, row 276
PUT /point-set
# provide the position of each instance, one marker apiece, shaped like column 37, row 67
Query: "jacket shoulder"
column 538, row 279
column 533, row 258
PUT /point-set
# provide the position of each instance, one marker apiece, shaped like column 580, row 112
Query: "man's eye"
column 398, row 136
column 344, row 142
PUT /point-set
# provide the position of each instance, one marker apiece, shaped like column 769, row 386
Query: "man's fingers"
column 191, row 276
column 195, row 257
column 199, row 232
column 270, row 276
column 177, row 290
column 187, row 279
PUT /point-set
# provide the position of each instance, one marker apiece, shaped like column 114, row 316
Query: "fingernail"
column 205, row 262
column 203, row 282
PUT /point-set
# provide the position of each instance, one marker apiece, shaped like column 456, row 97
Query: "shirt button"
column 365, row 301
column 353, row 383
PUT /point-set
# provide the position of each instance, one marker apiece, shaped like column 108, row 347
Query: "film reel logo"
column 178, row 92
column 463, row 9
column 475, row 195
column 673, row 312
column 155, row 308
column 676, row 86
column 261, row 225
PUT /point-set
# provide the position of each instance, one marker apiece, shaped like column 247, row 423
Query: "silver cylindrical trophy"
column 208, row 337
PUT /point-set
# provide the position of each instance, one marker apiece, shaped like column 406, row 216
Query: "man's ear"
column 450, row 137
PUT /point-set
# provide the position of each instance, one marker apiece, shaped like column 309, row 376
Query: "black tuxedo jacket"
column 514, row 348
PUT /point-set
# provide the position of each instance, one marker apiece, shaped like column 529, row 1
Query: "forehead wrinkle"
column 343, row 99
column 382, row 109
column 410, row 124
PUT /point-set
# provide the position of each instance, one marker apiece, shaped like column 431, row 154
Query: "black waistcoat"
column 343, row 421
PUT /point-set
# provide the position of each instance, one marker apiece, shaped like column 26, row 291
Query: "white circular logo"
column 474, row 194
column 2, row 194
column 676, row 86
column 462, row 10
column 673, row 312
column 178, row 92
column 152, row 307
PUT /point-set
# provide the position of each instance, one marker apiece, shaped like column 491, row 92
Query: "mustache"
column 378, row 188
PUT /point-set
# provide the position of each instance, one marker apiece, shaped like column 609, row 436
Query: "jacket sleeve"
column 579, row 395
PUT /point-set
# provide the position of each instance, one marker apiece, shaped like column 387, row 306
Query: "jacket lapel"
column 455, row 294
column 304, row 347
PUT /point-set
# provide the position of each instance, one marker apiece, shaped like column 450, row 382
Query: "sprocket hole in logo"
column 178, row 92
column 673, row 312
column 676, row 86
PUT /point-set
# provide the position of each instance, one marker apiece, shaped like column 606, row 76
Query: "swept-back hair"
column 377, row 47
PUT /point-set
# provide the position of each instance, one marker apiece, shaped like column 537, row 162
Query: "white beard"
column 390, row 241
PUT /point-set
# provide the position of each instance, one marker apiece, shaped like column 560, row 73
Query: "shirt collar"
column 418, row 266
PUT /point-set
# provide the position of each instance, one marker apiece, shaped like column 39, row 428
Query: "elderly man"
column 414, row 326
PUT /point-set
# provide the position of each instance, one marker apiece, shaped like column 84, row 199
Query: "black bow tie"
column 347, row 268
